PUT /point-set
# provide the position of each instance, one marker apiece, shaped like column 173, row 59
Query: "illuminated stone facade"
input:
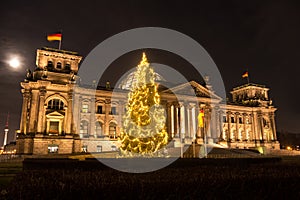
column 51, row 124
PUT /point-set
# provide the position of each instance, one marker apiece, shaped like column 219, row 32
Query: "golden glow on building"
column 61, row 116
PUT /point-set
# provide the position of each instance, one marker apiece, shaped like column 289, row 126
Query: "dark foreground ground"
column 252, row 178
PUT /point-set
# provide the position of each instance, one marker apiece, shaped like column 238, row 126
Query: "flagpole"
column 205, row 137
column 59, row 46
column 248, row 76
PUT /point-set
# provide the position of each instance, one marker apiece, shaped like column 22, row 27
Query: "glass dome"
column 126, row 83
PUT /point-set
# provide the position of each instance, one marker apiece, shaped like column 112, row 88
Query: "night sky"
column 261, row 36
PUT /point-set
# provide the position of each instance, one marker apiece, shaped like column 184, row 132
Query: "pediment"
column 192, row 88
column 55, row 114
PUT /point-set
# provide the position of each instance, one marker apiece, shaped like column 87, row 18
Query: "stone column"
column 254, row 126
column 106, row 119
column 41, row 112
column 48, row 126
column 33, row 112
column 23, row 123
column 253, row 129
column 120, row 113
column 92, row 116
column 182, row 121
column 272, row 126
column 224, row 133
column 244, row 127
column 69, row 117
column 237, row 132
column 207, row 120
column 193, row 120
column 198, row 130
column 172, row 121
column 176, row 123
column 76, row 113
column 218, row 123
column 213, row 123
column 79, row 113
column 260, row 126
column 188, row 122
column 229, row 125
column 168, row 119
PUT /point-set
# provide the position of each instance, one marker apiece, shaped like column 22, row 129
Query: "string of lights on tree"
column 143, row 132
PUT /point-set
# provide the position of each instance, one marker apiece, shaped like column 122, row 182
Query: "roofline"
column 249, row 85
column 60, row 51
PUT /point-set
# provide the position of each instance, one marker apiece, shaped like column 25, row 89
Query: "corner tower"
column 251, row 95
column 47, row 101
column 249, row 120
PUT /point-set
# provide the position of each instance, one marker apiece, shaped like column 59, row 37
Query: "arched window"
column 100, row 109
column 67, row 66
column 240, row 120
column 84, row 129
column 113, row 110
column 56, row 104
column 58, row 65
column 85, row 108
column 99, row 128
column 112, row 130
column 50, row 64
column 224, row 119
column 232, row 119
column 265, row 123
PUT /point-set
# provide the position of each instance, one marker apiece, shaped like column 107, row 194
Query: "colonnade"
column 248, row 126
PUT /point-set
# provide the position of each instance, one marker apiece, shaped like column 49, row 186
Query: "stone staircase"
column 213, row 152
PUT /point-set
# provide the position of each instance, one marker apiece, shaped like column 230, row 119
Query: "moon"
column 14, row 63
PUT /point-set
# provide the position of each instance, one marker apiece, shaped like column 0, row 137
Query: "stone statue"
column 72, row 77
column 44, row 74
column 28, row 74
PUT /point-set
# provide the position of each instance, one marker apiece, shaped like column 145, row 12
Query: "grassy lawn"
column 226, row 180
column 8, row 170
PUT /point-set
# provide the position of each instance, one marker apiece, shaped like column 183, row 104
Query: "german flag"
column 54, row 37
column 245, row 75
column 200, row 118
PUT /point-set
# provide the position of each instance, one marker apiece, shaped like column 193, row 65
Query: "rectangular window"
column 61, row 105
column 232, row 120
column 53, row 129
column 240, row 120
column 67, row 66
column 224, row 119
column 113, row 110
column 85, row 108
column 99, row 110
column 99, row 148
column 113, row 148
column 56, row 104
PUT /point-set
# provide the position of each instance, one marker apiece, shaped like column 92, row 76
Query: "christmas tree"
column 143, row 131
